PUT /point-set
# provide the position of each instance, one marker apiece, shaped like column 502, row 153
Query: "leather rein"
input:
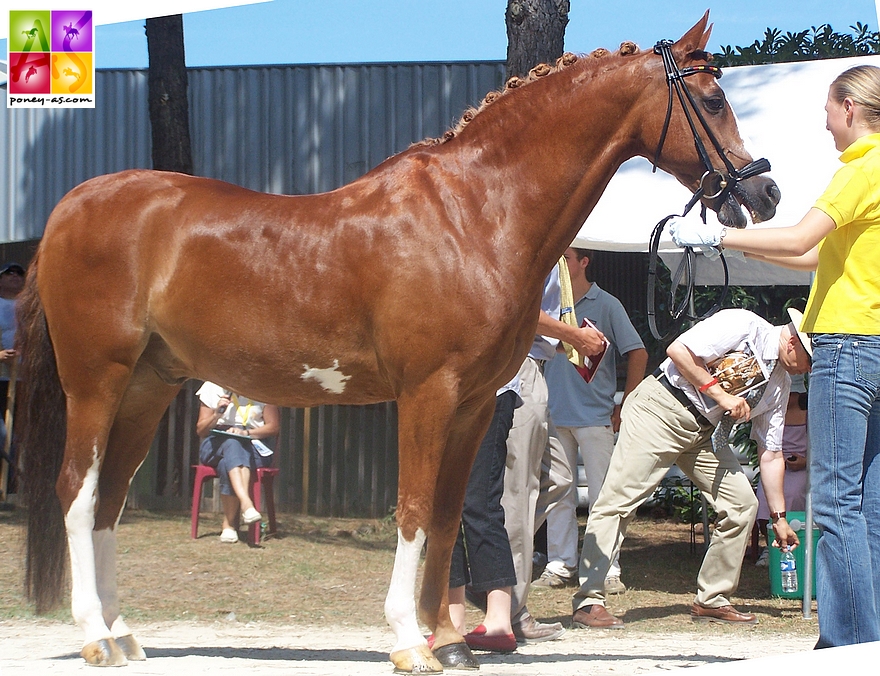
column 714, row 184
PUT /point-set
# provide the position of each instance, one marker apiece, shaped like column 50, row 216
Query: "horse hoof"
column 416, row 660
column 104, row 653
column 131, row 648
column 456, row 656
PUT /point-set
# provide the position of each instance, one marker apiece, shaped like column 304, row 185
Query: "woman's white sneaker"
column 250, row 516
column 229, row 536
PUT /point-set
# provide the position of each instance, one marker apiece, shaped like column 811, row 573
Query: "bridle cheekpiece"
column 726, row 179
column 708, row 188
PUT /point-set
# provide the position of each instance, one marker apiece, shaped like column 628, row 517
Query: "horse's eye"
column 714, row 104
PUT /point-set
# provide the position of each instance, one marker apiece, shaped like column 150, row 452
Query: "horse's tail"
column 41, row 428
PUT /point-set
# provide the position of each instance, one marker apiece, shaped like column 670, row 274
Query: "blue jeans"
column 225, row 453
column 844, row 414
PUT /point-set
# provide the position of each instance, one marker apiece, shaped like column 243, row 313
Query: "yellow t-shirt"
column 845, row 296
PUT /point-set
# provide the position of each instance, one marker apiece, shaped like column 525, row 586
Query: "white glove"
column 694, row 233
column 710, row 252
column 734, row 255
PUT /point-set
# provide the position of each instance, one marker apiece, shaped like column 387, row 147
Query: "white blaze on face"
column 331, row 379
column 400, row 604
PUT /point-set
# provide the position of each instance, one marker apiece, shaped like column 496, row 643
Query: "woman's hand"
column 222, row 405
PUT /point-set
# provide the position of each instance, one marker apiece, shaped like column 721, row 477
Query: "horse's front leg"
column 438, row 442
column 467, row 429
column 425, row 419
column 411, row 653
column 422, row 428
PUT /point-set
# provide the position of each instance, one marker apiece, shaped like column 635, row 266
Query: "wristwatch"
column 721, row 237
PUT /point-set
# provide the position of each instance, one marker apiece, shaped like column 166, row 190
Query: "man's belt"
column 682, row 398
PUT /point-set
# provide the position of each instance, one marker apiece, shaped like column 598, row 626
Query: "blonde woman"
column 839, row 238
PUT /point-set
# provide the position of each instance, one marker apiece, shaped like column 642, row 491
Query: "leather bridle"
column 714, row 184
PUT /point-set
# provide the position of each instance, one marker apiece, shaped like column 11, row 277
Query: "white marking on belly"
column 330, row 379
column 400, row 604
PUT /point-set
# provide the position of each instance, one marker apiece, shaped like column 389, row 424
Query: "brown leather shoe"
column 724, row 614
column 595, row 617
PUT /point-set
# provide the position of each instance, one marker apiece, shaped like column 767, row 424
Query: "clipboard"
column 224, row 433
column 591, row 364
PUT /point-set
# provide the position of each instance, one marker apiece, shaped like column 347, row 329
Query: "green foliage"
column 769, row 302
column 679, row 498
column 819, row 42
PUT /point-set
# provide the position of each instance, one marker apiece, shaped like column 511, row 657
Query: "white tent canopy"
column 780, row 108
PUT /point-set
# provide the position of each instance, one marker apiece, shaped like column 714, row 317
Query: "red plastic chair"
column 262, row 486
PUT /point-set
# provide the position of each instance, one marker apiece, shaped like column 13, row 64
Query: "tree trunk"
column 169, row 107
column 535, row 33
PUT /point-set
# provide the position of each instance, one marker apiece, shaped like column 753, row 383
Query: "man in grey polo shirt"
column 714, row 370
column 585, row 418
column 527, row 446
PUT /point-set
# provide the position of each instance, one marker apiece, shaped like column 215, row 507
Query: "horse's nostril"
column 773, row 193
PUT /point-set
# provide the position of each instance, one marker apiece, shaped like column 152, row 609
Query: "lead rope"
column 684, row 270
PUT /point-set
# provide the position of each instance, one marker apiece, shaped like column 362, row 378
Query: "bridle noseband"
column 726, row 181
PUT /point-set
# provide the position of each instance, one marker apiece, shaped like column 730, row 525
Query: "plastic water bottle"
column 788, row 568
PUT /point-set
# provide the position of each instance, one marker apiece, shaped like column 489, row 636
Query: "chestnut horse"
column 419, row 282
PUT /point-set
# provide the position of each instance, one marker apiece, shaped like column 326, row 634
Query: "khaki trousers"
column 656, row 432
column 528, row 489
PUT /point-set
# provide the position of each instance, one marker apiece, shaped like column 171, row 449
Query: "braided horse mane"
column 540, row 71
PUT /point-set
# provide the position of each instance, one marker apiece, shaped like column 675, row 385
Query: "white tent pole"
column 808, row 545
column 808, row 508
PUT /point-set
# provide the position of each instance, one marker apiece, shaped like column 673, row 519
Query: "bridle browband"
column 727, row 180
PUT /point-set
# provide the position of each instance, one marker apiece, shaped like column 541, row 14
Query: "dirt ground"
column 259, row 649
column 310, row 602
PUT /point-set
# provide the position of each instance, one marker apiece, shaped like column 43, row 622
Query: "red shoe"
column 498, row 643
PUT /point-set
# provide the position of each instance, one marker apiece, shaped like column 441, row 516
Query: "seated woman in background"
column 794, row 448
column 234, row 431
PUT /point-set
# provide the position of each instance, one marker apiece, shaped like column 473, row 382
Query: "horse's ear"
column 695, row 39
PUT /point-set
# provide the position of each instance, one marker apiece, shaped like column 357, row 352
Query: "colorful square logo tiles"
column 51, row 59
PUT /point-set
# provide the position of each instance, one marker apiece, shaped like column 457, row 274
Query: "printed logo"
column 51, row 59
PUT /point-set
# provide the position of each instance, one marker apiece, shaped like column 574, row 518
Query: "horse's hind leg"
column 90, row 410
column 92, row 488
column 139, row 414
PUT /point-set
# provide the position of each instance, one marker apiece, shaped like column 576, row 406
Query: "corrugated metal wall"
column 283, row 129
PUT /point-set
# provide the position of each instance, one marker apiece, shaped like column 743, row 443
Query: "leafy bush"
column 679, row 498
column 821, row 42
